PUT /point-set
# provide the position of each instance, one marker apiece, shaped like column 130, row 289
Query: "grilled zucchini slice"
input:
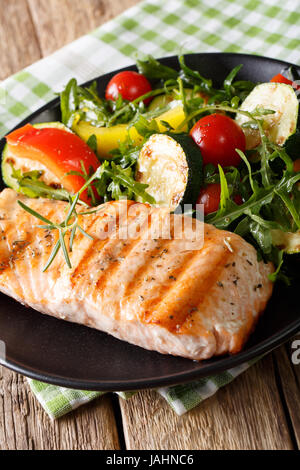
column 25, row 165
column 171, row 166
column 287, row 241
column 279, row 126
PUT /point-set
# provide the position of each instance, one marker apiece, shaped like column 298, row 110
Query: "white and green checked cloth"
column 265, row 27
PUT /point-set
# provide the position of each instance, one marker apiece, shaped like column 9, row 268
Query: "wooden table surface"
column 259, row 410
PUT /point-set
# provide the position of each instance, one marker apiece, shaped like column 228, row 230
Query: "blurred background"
column 32, row 29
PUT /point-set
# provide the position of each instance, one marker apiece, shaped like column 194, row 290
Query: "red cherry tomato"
column 297, row 165
column 130, row 85
column 281, row 79
column 218, row 136
column 210, row 198
column 238, row 199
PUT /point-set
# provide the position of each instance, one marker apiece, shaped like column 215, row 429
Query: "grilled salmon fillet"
column 187, row 296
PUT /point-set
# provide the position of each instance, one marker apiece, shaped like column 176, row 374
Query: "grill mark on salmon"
column 174, row 314
column 144, row 271
column 199, row 302
column 116, row 248
column 94, row 248
column 120, row 251
column 142, row 277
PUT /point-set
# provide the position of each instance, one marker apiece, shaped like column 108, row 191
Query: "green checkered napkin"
column 58, row 401
column 156, row 27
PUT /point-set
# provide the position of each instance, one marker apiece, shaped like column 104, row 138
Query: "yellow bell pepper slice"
column 108, row 138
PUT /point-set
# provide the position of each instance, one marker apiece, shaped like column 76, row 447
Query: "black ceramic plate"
column 74, row 356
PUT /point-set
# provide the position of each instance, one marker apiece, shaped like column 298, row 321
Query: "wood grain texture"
column 247, row 414
column 24, row 425
column 19, row 45
column 59, row 22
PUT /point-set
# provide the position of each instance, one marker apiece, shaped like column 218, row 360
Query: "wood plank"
column 18, row 44
column 289, row 376
column 59, row 22
column 247, row 414
column 24, row 424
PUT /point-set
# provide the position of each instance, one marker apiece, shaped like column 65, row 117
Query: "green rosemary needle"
column 68, row 225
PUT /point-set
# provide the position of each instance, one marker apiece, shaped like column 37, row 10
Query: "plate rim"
column 223, row 363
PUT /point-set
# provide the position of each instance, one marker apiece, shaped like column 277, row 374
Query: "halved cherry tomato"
column 210, row 198
column 59, row 150
column 130, row 85
column 238, row 199
column 281, row 79
column 297, row 165
column 218, row 136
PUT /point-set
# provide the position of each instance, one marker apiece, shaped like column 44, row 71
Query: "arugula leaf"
column 276, row 274
column 116, row 182
column 78, row 103
column 262, row 235
column 126, row 154
column 229, row 79
column 30, row 184
column 146, row 128
column 193, row 77
column 69, row 102
column 225, row 201
column 92, row 143
column 154, row 70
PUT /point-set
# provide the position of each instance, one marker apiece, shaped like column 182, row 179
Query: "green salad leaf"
column 115, row 182
column 30, row 184
column 154, row 70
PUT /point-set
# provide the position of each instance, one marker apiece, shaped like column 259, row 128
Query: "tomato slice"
column 59, row 150
column 279, row 78
column 130, row 85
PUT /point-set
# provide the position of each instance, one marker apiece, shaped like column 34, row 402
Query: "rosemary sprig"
column 109, row 177
column 69, row 225
column 84, row 174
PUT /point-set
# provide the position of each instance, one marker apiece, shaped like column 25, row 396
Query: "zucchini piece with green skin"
column 278, row 126
column 25, row 165
column 292, row 145
column 171, row 166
